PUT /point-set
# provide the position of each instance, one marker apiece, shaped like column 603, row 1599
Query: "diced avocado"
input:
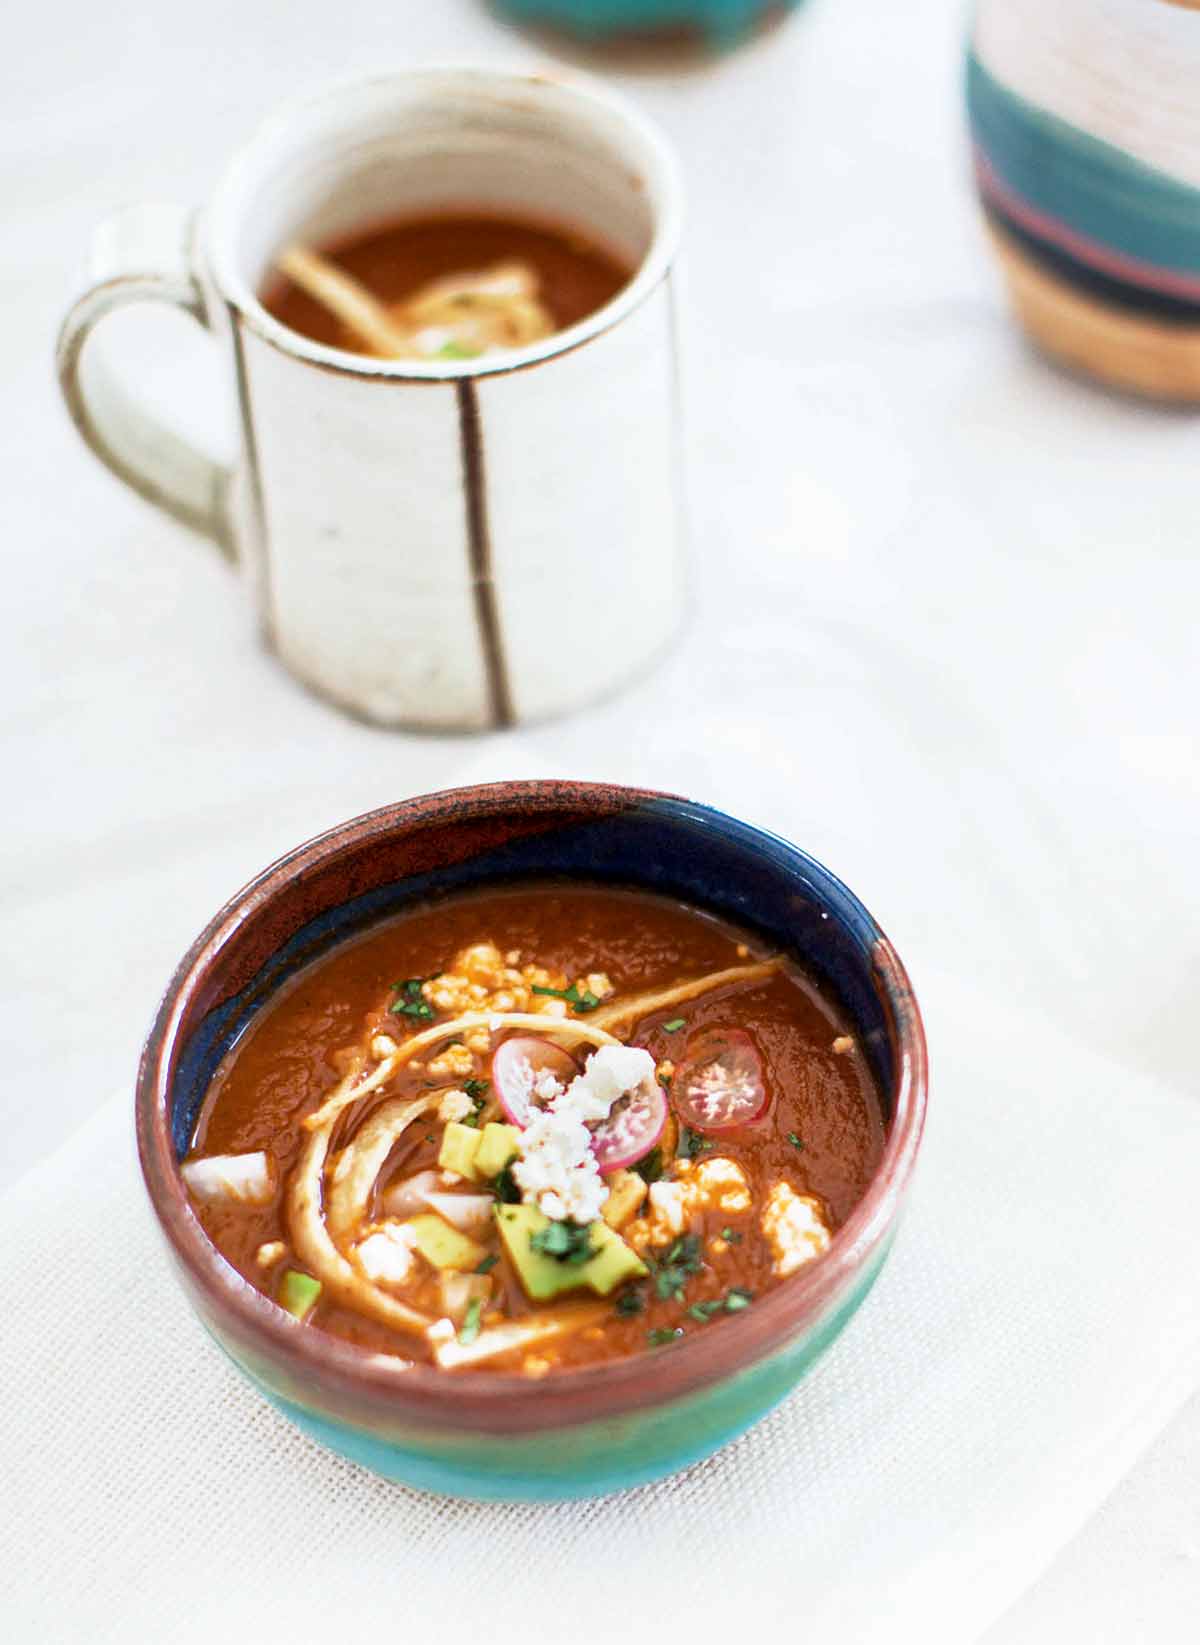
column 298, row 1293
column 444, row 1246
column 544, row 1276
column 460, row 1144
column 497, row 1146
column 614, row 1262
column 541, row 1275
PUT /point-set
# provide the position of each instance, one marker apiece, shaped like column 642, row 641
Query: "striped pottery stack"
column 1085, row 121
column 723, row 22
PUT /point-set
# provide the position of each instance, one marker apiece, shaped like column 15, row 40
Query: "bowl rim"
column 383, row 1387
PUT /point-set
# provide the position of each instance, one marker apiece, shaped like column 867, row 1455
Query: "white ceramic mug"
column 451, row 544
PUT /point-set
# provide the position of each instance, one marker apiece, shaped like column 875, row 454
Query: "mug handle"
column 141, row 254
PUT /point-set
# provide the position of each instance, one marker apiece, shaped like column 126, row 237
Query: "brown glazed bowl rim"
column 382, row 1388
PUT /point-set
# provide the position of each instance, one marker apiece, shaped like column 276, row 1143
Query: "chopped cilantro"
column 675, row 1024
column 564, row 1241
column 669, row 1283
column 650, row 1168
column 504, row 1187
column 680, row 1262
column 582, row 1000
column 420, row 1009
column 477, row 1091
column 660, row 1337
column 691, row 1143
column 469, row 1329
column 488, row 1263
column 795, row 1141
column 686, row 1251
column 409, row 1000
column 631, row 1301
column 731, row 1235
column 732, row 1302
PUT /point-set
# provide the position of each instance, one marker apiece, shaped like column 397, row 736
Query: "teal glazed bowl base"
column 722, row 22
column 588, row 1462
column 594, row 1429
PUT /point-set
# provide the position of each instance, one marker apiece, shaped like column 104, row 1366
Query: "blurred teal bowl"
column 722, row 21
column 579, row 1432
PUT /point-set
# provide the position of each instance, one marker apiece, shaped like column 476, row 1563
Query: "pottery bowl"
column 583, row 1431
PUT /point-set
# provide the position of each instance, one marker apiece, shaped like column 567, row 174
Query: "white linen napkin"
column 1038, row 1321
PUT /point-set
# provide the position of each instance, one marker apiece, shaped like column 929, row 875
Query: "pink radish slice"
column 516, row 1065
column 632, row 1129
column 721, row 1084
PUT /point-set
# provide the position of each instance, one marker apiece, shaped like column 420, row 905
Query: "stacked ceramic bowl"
column 1085, row 122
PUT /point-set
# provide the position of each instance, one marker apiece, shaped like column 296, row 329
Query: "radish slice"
column 516, row 1066
column 720, row 1085
column 632, row 1129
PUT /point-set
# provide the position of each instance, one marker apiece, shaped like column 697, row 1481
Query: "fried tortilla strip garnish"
column 515, row 1334
column 364, row 1157
column 628, row 1011
column 550, row 1027
column 318, row 1253
column 359, row 310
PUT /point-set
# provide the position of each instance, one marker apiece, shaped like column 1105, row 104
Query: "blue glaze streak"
column 673, row 847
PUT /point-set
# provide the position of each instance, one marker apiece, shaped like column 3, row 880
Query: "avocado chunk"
column 614, row 1262
column 460, row 1144
column 497, row 1146
column 444, row 1246
column 545, row 1276
column 299, row 1293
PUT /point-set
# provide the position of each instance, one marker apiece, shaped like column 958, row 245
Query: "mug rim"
column 383, row 1387
column 233, row 196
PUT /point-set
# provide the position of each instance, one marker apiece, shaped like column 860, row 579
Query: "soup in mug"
column 451, row 287
column 534, row 1128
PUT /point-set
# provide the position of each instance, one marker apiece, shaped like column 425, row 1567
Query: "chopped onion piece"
column 460, row 1290
column 247, row 1178
column 408, row 1195
column 470, row 1213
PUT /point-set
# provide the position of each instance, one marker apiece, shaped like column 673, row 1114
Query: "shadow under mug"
column 448, row 545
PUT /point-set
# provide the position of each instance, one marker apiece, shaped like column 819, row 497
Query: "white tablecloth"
column 945, row 598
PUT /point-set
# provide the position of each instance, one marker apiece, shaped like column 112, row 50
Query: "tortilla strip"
column 363, row 1158
column 451, row 1354
column 539, row 1022
column 628, row 1011
column 320, row 1255
column 344, row 296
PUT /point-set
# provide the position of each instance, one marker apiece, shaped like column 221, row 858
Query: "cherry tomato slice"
column 721, row 1084
column 515, row 1066
column 632, row 1128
